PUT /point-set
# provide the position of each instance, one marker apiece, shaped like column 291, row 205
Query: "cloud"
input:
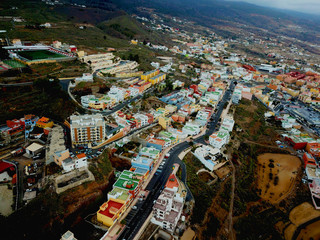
column 309, row 6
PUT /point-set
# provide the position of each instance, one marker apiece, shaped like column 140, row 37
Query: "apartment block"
column 168, row 207
column 87, row 128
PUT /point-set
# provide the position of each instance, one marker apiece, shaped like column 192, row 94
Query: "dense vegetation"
column 202, row 192
column 44, row 98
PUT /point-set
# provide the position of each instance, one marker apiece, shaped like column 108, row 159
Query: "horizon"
column 311, row 7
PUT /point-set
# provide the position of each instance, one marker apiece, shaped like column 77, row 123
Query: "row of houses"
column 127, row 186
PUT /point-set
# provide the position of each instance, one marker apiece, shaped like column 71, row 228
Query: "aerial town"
column 202, row 138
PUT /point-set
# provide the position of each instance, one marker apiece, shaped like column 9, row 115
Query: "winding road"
column 138, row 216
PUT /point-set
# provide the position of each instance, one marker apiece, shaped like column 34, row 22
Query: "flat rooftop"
column 112, row 208
column 126, row 184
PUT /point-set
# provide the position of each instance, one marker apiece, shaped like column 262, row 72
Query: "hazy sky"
column 308, row 6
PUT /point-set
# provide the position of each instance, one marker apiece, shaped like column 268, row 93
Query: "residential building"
column 206, row 154
column 86, row 77
column 119, row 193
column 237, row 95
column 313, row 148
column 158, row 78
column 14, row 126
column 164, row 122
column 169, row 205
column 146, row 76
column 159, row 144
column 68, row 236
column 219, row 139
column 144, row 119
column 34, row 148
column 70, row 164
column 44, row 123
column 308, row 159
column 315, row 192
column 129, row 181
column 227, row 124
column 86, row 99
column 60, row 156
column 191, row 128
column 87, row 128
column 110, row 211
column 99, row 61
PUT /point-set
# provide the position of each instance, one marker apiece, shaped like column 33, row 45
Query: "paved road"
column 138, row 217
column 19, row 185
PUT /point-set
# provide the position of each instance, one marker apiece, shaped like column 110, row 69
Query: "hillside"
column 101, row 27
column 123, row 27
column 226, row 16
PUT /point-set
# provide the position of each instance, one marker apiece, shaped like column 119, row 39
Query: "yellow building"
column 164, row 122
column 80, row 54
column 146, row 76
column 164, row 112
column 97, row 105
column 158, row 78
column 314, row 91
column 292, row 92
column 110, row 211
column 128, row 74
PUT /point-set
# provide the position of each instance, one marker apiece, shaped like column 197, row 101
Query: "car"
column 134, row 207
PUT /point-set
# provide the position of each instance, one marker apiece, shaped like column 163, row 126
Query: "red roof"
column 112, row 205
column 4, row 166
column 81, row 155
column 172, row 182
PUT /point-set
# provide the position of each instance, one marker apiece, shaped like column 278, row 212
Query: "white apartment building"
column 99, row 61
column 227, row 124
column 219, row 139
column 117, row 93
column 133, row 91
column 86, row 99
column 77, row 162
column 168, row 207
column 143, row 118
column 87, row 128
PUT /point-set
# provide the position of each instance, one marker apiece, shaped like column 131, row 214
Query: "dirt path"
column 268, row 146
column 230, row 219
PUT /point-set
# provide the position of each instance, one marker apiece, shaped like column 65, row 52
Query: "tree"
column 3, row 53
column 206, row 137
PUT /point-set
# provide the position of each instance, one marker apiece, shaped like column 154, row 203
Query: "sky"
column 307, row 6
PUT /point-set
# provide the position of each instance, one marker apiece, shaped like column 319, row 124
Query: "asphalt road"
column 137, row 217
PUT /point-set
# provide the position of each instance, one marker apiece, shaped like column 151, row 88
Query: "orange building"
column 308, row 159
column 44, row 123
column 314, row 149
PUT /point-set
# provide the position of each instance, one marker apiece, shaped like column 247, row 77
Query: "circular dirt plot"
column 276, row 174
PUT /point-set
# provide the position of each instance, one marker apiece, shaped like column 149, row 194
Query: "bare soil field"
column 276, row 174
column 189, row 234
column 311, row 231
column 302, row 214
column 6, row 200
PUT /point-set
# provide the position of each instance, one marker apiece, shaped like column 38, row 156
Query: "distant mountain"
column 219, row 14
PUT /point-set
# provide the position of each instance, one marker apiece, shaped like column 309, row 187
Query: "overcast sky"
column 308, row 6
